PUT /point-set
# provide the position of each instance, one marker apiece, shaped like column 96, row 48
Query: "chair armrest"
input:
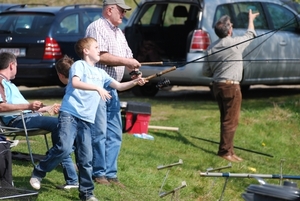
column 15, row 112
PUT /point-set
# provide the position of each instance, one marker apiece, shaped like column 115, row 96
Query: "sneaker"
column 102, row 180
column 35, row 183
column 67, row 186
column 92, row 198
column 13, row 143
column 115, row 181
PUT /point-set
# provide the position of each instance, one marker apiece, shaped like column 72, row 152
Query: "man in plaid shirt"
column 115, row 55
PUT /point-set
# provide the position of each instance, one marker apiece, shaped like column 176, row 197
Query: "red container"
column 137, row 117
column 138, row 125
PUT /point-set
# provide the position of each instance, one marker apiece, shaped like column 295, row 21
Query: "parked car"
column 41, row 35
column 5, row 6
column 178, row 32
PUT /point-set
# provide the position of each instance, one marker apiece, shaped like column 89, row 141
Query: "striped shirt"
column 112, row 40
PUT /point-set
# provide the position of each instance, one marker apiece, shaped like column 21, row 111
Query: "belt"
column 228, row 81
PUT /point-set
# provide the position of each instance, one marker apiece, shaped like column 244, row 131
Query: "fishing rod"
column 235, row 60
column 163, row 83
column 246, row 175
column 272, row 31
column 166, row 82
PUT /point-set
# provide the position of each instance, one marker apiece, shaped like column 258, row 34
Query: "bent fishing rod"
column 272, row 32
column 269, row 32
column 178, row 64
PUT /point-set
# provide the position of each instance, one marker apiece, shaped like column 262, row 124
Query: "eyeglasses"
column 121, row 10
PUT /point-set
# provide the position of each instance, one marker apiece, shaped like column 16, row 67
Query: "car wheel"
column 245, row 88
column 148, row 90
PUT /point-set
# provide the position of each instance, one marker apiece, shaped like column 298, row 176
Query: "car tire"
column 148, row 90
column 245, row 88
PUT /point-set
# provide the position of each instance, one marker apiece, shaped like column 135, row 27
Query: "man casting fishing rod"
column 226, row 79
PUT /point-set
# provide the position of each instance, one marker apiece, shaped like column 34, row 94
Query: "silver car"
column 177, row 32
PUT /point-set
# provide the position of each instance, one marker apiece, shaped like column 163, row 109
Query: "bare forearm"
column 84, row 86
column 5, row 107
column 112, row 60
column 124, row 85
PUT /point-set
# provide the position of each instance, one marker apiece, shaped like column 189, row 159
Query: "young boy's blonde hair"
column 63, row 65
column 83, row 43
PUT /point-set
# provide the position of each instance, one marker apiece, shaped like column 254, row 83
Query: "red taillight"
column 200, row 41
column 52, row 49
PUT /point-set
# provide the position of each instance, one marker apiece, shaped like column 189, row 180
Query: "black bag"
column 5, row 165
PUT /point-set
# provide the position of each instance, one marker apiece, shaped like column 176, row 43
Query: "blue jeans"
column 107, row 137
column 35, row 120
column 71, row 129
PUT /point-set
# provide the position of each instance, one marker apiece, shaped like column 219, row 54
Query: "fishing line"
column 269, row 32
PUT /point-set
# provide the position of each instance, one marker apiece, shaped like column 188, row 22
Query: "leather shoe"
column 237, row 158
column 229, row 158
column 102, row 180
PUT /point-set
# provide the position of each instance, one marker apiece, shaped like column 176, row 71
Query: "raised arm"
column 252, row 16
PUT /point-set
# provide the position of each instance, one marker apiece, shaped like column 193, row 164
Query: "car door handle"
column 283, row 43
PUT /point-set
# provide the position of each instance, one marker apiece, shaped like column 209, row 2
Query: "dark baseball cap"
column 120, row 3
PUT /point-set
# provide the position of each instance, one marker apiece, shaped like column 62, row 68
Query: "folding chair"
column 27, row 133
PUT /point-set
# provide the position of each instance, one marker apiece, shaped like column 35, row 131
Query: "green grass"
column 269, row 124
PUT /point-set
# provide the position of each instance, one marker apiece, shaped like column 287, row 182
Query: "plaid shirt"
column 112, row 40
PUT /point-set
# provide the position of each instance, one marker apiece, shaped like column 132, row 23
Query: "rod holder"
column 160, row 167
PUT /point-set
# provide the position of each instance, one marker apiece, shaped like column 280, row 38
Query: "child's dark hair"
column 83, row 43
column 63, row 65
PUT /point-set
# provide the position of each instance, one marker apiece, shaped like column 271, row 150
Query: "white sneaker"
column 93, row 198
column 35, row 183
column 68, row 186
column 13, row 143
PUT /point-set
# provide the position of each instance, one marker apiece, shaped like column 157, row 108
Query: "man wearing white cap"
column 115, row 55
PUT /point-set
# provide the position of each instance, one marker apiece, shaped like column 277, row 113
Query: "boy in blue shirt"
column 77, row 114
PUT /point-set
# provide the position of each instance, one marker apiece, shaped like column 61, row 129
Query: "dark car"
column 41, row 35
column 7, row 6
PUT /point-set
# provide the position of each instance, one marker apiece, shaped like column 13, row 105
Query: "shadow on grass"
column 240, row 148
column 182, row 139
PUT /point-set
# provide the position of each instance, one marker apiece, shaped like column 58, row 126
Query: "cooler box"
column 137, row 117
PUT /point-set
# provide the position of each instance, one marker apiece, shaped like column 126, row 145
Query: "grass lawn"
column 267, row 140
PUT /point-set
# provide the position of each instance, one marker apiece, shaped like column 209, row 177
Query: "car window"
column 148, row 13
column 293, row 5
column 282, row 18
column 238, row 13
column 176, row 14
column 166, row 14
column 69, row 25
column 89, row 17
column 34, row 24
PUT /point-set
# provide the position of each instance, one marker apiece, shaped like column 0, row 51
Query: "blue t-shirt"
column 12, row 95
column 83, row 103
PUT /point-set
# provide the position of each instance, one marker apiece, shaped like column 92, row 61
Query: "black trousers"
column 5, row 165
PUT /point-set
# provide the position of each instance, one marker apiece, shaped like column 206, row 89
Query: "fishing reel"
column 163, row 83
column 135, row 72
